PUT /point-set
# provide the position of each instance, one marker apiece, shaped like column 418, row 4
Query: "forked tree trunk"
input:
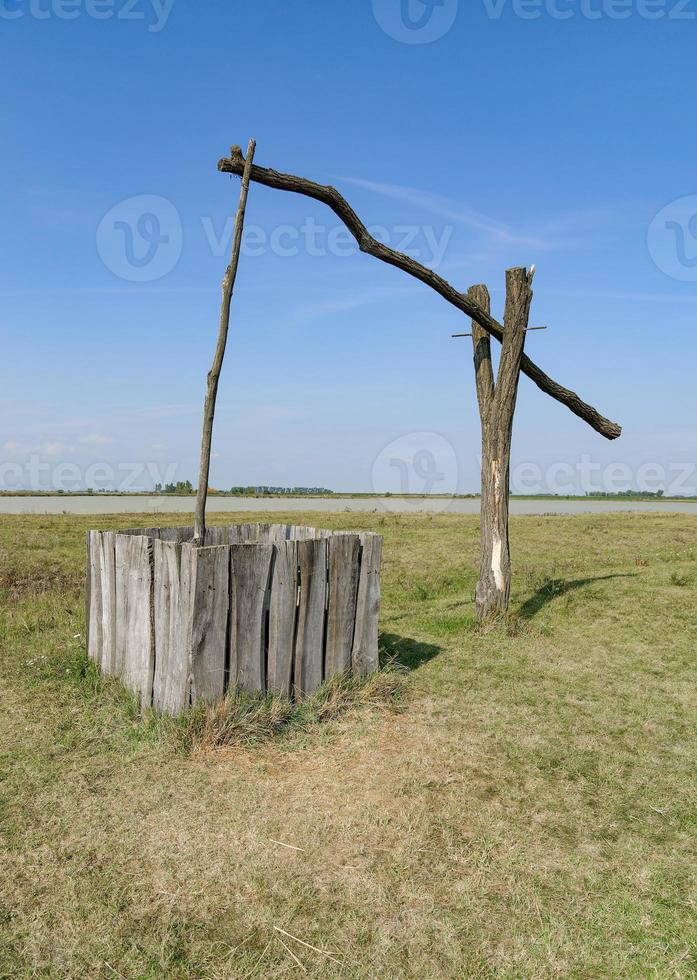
column 497, row 402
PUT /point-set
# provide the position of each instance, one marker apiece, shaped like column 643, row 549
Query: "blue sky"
column 518, row 136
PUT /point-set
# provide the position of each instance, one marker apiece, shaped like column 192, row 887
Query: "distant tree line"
column 181, row 486
column 185, row 486
column 278, row 491
column 626, row 493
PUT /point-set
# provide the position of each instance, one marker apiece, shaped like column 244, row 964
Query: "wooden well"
column 260, row 607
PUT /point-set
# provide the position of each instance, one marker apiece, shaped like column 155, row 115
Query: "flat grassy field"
column 526, row 808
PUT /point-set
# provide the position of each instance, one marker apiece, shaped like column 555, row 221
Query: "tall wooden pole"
column 214, row 373
column 496, row 408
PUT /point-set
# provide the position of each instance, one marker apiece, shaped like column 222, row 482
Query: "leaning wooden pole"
column 214, row 373
column 497, row 402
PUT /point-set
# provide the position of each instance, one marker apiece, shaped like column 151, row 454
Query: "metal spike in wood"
column 214, row 373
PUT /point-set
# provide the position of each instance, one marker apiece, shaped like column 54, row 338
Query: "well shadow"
column 554, row 588
column 406, row 652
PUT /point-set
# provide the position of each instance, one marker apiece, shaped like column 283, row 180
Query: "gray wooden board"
column 108, row 602
column 172, row 580
column 279, row 532
column 177, row 534
column 282, row 612
column 88, row 593
column 94, row 633
column 216, row 536
column 209, row 620
column 249, row 580
column 365, row 642
column 309, row 647
column 344, row 568
column 134, row 636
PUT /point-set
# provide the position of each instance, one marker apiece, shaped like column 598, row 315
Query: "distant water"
column 104, row 504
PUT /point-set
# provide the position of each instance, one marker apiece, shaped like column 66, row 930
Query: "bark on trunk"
column 214, row 373
column 497, row 402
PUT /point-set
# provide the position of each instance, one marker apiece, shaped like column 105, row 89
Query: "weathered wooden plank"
column 94, row 612
column 299, row 533
column 344, row 570
column 107, row 573
column 135, row 648
column 282, row 613
column 364, row 656
column 214, row 537
column 172, row 617
column 253, row 533
column 309, row 647
column 88, row 592
column 279, row 532
column 146, row 532
column 179, row 535
column 209, row 621
column 250, row 570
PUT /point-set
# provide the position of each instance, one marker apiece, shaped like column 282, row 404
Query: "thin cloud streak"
column 453, row 210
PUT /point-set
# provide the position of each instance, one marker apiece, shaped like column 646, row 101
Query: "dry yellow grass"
column 529, row 812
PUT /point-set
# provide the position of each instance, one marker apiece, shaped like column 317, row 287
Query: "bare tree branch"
column 214, row 373
column 235, row 164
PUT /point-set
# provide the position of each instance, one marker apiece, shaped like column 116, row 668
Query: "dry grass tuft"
column 244, row 719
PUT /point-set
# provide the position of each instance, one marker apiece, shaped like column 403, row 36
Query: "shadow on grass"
column 554, row 588
column 407, row 653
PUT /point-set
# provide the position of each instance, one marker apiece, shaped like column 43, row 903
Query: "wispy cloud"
column 566, row 230
column 452, row 210
column 630, row 296
column 52, row 449
column 350, row 300
column 94, row 439
column 165, row 411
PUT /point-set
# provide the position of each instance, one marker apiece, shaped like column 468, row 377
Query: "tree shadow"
column 406, row 652
column 554, row 588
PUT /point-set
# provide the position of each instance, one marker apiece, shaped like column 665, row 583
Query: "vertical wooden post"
column 496, row 409
column 214, row 373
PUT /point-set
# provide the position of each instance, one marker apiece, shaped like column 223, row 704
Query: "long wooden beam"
column 234, row 164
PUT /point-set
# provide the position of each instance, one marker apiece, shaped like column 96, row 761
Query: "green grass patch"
column 516, row 799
